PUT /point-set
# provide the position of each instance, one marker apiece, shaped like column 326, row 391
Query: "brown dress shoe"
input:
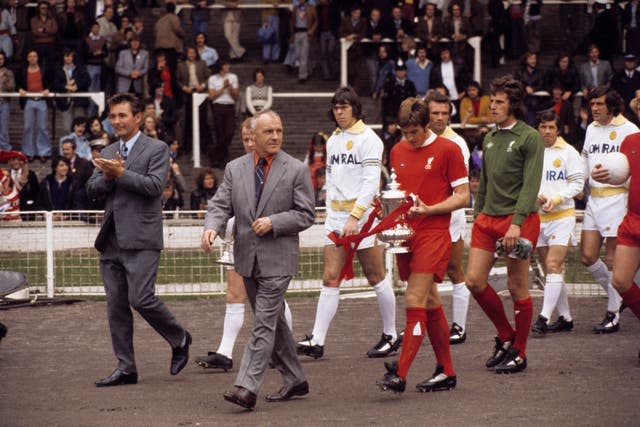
column 287, row 392
column 241, row 396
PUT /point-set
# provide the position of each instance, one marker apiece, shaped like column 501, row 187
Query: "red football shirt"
column 631, row 148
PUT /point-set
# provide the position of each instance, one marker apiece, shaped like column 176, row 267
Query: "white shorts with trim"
column 335, row 222
column 604, row 214
column 556, row 233
column 457, row 225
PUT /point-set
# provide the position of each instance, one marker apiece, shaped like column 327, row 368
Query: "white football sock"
column 288, row 316
column 233, row 320
column 563, row 304
column 387, row 306
column 327, row 308
column 614, row 299
column 460, row 304
column 552, row 291
column 600, row 273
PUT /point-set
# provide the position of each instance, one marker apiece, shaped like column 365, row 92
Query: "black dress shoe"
column 3, row 331
column 215, row 360
column 287, row 392
column 118, row 377
column 180, row 356
column 242, row 397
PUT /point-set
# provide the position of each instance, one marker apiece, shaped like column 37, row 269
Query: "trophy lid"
column 393, row 188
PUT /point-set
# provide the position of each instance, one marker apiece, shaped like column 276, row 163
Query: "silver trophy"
column 227, row 245
column 398, row 236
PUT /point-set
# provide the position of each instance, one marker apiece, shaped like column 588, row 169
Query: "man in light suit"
column 595, row 72
column 132, row 65
column 131, row 175
column 271, row 207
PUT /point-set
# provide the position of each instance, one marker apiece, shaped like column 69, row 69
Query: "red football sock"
column 632, row 298
column 438, row 330
column 523, row 310
column 492, row 306
column 413, row 336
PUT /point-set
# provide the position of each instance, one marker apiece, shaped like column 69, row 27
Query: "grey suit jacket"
column 604, row 73
column 126, row 64
column 133, row 201
column 287, row 199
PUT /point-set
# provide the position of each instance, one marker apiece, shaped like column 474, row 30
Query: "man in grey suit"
column 271, row 206
column 595, row 72
column 132, row 65
column 131, row 175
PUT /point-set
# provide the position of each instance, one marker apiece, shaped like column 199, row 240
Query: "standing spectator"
column 395, row 90
column 131, row 67
column 124, row 9
column 532, row 17
column 163, row 74
column 71, row 78
column 192, row 76
column 400, row 27
column 7, row 30
column 259, row 95
column 95, row 52
column 7, row 84
column 430, row 29
column 353, row 28
column 595, row 72
column 453, row 75
column 457, row 28
column 223, row 93
column 377, row 30
column 25, row 181
column 58, row 190
column 79, row 136
column 419, row 71
column 231, row 20
column 108, row 28
column 604, row 32
column 19, row 13
column 168, row 36
column 626, row 82
column 328, row 13
column 496, row 31
column 73, row 24
column 9, row 198
column 200, row 18
column 533, row 79
column 304, row 23
column 515, row 43
column 631, row 23
column 44, row 34
column 565, row 76
column 384, row 69
column 205, row 190
column 269, row 38
column 474, row 107
column 208, row 54
column 35, row 137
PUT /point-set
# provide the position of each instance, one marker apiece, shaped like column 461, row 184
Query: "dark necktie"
column 124, row 152
column 260, row 178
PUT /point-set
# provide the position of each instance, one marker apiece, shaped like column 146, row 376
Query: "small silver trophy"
column 398, row 236
column 227, row 245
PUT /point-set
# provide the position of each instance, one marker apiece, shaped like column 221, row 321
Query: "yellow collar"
column 560, row 143
column 358, row 127
column 616, row 121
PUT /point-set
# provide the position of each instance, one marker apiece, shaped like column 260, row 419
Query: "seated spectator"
column 384, row 67
column 131, row 67
column 474, row 108
column 258, row 96
column 171, row 200
column 58, row 191
column 269, row 38
column 79, row 137
column 151, row 128
column 25, row 180
column 205, row 190
column 208, row 54
column 9, row 198
column 316, row 156
column 565, row 75
column 320, row 177
column 96, row 131
column 97, row 145
column 7, row 84
column 81, row 169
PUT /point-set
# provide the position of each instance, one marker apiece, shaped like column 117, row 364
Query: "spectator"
column 25, row 181
column 626, row 82
column 71, row 78
column 163, row 74
column 384, row 69
column 7, row 30
column 94, row 54
column 533, row 80
column 457, row 28
column 165, row 109
column 430, row 29
column 631, row 23
column 44, row 33
column 223, row 93
column 124, row 10
column 96, row 130
column 532, row 16
column 453, row 75
column 353, row 28
column 304, row 23
column 200, row 18
column 595, row 72
column 419, row 71
column 35, row 137
column 495, row 34
column 131, row 67
column 205, row 189
column 378, row 27
column 604, row 32
column 138, row 29
column 179, row 183
column 168, row 36
column 400, row 27
column 565, row 75
column 73, row 25
column 152, row 128
column 474, row 107
column 566, row 119
column 635, row 102
column 108, row 28
column 269, row 38
column 515, row 43
column 80, row 168
column 231, row 20
column 208, row 54
column 258, row 96
column 395, row 90
column 328, row 21
column 474, row 185
column 9, row 198
column 58, row 191
column 96, row 146
column 316, row 156
column 7, row 84
column 79, row 137
column 320, row 177
column 171, row 200
column 390, row 136
column 192, row 76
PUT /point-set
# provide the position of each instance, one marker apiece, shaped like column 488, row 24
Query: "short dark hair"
column 547, row 116
column 612, row 99
column 203, row 174
column 256, row 71
column 56, row 160
column 80, row 120
column 121, row 98
column 170, row 7
column 346, row 95
column 413, row 112
column 515, row 93
column 438, row 98
column 69, row 141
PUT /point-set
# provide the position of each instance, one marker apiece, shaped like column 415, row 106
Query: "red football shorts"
column 629, row 231
column 488, row 229
column 430, row 253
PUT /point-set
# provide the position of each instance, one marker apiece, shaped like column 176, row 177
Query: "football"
column 618, row 166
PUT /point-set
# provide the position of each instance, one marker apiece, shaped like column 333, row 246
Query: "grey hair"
column 259, row 114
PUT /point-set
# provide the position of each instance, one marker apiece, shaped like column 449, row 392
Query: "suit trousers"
column 129, row 281
column 271, row 338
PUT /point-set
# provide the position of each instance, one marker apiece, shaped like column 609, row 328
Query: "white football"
column 618, row 166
